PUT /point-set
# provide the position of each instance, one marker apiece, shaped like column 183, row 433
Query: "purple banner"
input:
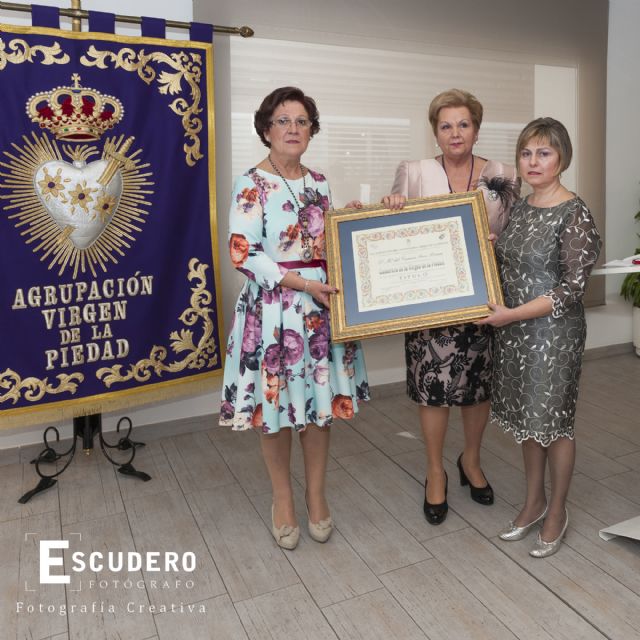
column 108, row 265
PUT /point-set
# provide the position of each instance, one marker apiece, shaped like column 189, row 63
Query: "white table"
column 634, row 268
column 606, row 271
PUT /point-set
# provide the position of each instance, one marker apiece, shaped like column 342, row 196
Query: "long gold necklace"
column 307, row 251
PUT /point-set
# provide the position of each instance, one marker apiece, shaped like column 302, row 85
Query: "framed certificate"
column 429, row 264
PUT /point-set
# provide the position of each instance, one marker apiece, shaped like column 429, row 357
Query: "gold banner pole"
column 76, row 23
column 79, row 15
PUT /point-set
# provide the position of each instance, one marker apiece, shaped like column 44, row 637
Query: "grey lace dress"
column 543, row 252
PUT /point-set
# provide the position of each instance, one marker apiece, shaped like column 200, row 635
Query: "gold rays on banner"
column 80, row 215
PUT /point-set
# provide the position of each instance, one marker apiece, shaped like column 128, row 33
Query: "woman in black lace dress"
column 451, row 366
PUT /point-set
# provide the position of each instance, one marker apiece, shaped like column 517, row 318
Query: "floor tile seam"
column 301, row 584
column 563, row 600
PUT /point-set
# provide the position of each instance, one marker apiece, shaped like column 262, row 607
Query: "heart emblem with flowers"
column 75, row 199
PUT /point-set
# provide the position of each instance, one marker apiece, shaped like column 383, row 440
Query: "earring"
column 476, row 142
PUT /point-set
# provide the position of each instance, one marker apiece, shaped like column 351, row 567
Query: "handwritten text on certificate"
column 411, row 263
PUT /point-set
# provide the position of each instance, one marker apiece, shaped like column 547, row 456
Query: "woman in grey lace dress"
column 545, row 256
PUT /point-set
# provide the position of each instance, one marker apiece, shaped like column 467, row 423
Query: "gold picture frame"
column 430, row 264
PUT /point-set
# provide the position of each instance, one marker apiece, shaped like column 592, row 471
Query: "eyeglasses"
column 285, row 123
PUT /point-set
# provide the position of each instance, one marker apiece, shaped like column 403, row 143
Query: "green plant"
column 630, row 289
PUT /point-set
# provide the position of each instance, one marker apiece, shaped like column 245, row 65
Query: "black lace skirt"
column 449, row 366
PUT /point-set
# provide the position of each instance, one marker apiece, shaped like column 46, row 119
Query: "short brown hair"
column 263, row 117
column 551, row 131
column 455, row 98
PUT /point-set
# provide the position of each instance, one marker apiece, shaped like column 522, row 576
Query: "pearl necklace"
column 307, row 251
column 470, row 174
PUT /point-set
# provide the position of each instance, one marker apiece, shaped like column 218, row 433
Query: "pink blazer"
column 423, row 178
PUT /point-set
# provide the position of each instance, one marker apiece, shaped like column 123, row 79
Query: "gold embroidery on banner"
column 35, row 389
column 187, row 66
column 75, row 113
column 23, row 52
column 49, row 199
column 202, row 355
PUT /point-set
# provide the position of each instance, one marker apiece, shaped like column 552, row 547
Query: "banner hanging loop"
column 78, row 15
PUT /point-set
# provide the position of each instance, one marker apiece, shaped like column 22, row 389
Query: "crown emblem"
column 75, row 113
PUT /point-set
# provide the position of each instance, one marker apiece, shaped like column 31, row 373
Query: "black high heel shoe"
column 482, row 495
column 436, row 513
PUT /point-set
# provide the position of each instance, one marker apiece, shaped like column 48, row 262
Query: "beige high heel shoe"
column 286, row 536
column 319, row 531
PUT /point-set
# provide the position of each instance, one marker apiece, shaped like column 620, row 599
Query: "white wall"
column 612, row 324
column 608, row 325
column 623, row 131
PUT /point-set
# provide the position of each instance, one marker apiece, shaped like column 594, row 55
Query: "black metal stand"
column 85, row 427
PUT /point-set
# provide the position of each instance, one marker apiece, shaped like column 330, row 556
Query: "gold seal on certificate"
column 429, row 264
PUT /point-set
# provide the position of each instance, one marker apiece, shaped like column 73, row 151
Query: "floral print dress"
column 281, row 368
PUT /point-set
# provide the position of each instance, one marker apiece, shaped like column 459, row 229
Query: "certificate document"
column 411, row 263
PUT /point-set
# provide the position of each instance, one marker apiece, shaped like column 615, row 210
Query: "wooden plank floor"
column 385, row 573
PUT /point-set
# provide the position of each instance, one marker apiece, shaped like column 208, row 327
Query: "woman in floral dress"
column 282, row 372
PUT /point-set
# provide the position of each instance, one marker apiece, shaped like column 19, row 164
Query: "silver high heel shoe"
column 286, row 536
column 545, row 549
column 511, row 532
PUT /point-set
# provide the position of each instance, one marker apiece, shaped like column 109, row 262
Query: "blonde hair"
column 553, row 133
column 455, row 98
